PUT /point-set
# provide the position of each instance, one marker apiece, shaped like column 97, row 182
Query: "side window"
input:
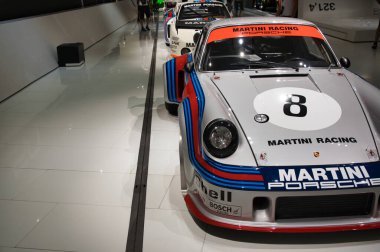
column 313, row 48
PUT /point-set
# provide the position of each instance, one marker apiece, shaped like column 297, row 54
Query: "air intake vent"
column 324, row 206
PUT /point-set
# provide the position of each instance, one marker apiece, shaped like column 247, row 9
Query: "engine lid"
column 299, row 118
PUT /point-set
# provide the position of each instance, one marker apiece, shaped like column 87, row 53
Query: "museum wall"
column 351, row 20
column 28, row 46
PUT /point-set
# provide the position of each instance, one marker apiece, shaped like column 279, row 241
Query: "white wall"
column 318, row 10
column 351, row 20
column 28, row 46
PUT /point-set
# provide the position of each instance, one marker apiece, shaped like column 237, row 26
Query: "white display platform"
column 357, row 29
column 350, row 20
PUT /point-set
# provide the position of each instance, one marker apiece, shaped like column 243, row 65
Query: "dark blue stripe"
column 231, row 168
column 172, row 75
column 168, row 80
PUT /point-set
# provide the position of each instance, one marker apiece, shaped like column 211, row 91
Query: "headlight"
column 221, row 138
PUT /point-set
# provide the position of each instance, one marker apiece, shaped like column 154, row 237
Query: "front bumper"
column 203, row 215
column 236, row 209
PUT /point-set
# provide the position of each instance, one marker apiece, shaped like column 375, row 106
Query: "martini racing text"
column 323, row 178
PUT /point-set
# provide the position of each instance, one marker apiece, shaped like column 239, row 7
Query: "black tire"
column 172, row 108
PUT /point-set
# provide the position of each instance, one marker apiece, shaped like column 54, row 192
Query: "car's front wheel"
column 172, row 108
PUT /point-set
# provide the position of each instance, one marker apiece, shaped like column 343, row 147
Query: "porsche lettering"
column 323, row 185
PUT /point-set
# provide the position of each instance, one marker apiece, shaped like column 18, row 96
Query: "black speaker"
column 70, row 54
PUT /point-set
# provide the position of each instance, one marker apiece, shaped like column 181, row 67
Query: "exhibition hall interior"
column 100, row 121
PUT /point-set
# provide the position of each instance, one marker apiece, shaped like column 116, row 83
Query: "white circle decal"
column 298, row 108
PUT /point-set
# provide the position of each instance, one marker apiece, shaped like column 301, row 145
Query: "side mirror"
column 189, row 67
column 196, row 37
column 345, row 62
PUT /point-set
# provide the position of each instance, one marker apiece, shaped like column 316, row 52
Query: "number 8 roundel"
column 298, row 108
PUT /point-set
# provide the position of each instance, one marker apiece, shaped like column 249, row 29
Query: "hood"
column 314, row 117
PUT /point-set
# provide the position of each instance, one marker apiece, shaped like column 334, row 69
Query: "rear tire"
column 172, row 108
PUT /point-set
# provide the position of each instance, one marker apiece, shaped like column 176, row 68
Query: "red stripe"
column 190, row 93
column 180, row 63
column 260, row 30
column 351, row 227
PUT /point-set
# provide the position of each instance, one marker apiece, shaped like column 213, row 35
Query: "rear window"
column 203, row 10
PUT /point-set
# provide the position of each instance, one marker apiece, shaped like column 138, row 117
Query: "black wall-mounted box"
column 70, row 54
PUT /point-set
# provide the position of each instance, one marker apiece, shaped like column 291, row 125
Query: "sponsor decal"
column 203, row 4
column 194, row 23
column 322, row 178
column 222, row 208
column 264, row 30
column 371, row 153
column 322, row 7
column 298, row 109
column 209, row 196
column 318, row 140
column 190, row 45
column 220, row 194
column 263, row 156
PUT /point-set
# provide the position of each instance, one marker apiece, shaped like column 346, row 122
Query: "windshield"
column 255, row 52
column 208, row 11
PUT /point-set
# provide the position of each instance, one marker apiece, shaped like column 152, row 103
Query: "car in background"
column 184, row 27
column 276, row 135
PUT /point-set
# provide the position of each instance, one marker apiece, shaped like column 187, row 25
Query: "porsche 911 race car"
column 168, row 15
column 275, row 134
column 187, row 21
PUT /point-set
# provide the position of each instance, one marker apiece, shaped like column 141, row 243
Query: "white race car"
column 276, row 135
column 184, row 28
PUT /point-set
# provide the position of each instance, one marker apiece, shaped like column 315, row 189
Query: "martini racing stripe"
column 247, row 185
column 232, row 168
column 195, row 94
column 170, row 76
column 199, row 94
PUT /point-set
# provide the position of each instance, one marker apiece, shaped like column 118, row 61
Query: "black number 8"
column 302, row 108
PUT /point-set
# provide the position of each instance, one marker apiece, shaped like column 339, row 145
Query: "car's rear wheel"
column 172, row 108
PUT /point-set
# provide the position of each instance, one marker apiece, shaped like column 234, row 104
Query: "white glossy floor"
column 68, row 154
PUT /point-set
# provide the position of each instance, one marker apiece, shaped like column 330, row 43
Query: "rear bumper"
column 203, row 215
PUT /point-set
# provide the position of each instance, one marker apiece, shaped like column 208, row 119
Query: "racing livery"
column 169, row 14
column 182, row 30
column 276, row 134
